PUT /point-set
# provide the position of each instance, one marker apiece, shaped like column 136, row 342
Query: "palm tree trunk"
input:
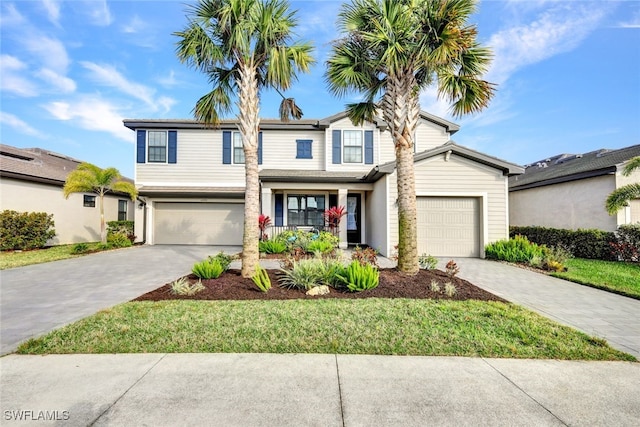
column 249, row 122
column 401, row 109
column 103, row 231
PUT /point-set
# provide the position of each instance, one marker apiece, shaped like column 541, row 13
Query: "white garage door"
column 198, row 223
column 449, row 226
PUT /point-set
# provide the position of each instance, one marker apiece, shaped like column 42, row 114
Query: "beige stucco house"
column 32, row 180
column 192, row 181
column 569, row 191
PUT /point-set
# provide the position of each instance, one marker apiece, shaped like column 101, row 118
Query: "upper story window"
column 352, row 146
column 303, row 149
column 89, row 201
column 238, row 150
column 157, row 147
column 122, row 210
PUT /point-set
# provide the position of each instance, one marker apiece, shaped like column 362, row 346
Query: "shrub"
column 360, row 277
column 452, row 268
column 325, row 236
column 435, row 286
column 263, row 223
column 582, row 243
column 210, row 268
column 261, row 279
column 121, row 227
column 627, row 247
column 449, row 289
column 319, row 246
column 365, row 256
column 118, row 240
column 25, row 230
column 223, row 259
column 304, row 274
column 427, row 262
column 517, row 249
column 555, row 258
column 272, row 246
column 79, row 248
column 183, row 287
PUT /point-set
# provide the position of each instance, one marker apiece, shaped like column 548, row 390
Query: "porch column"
column 342, row 201
column 265, row 207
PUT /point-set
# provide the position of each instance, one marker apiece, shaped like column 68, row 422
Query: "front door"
column 354, row 219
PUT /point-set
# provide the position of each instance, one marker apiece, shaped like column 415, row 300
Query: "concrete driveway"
column 39, row 298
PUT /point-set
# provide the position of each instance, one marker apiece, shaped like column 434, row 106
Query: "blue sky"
column 568, row 75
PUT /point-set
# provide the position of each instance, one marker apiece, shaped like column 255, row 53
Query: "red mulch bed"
column 393, row 284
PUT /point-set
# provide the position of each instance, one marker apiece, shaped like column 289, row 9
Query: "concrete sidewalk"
column 315, row 390
column 598, row 313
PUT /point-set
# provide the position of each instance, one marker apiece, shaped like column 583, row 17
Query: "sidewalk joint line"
column 339, row 390
column 126, row 391
column 525, row 393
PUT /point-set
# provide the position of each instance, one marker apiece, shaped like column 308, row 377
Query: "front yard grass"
column 367, row 326
column 619, row 277
column 13, row 259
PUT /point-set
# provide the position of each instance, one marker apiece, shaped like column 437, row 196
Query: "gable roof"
column 508, row 168
column 571, row 167
column 306, row 124
column 37, row 165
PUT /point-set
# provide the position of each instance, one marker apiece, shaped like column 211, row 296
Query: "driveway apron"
column 39, row 298
column 598, row 313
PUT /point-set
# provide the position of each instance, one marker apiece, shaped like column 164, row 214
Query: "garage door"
column 198, row 223
column 449, row 226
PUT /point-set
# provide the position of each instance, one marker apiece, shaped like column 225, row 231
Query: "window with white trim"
column 237, row 148
column 305, row 210
column 89, row 201
column 352, row 146
column 157, row 146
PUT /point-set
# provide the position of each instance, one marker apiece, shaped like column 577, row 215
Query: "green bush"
column 427, row 262
column 303, row 239
column 261, row 279
column 272, row 246
column 25, row 230
column 223, row 259
column 307, row 273
column 118, row 240
column 359, row 277
column 210, row 268
column 517, row 249
column 627, row 247
column 79, row 248
column 121, row 227
column 582, row 243
column 321, row 246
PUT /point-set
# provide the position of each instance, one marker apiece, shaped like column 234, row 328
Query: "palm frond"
column 631, row 166
column 361, row 112
column 289, row 109
column 125, row 187
column 621, row 197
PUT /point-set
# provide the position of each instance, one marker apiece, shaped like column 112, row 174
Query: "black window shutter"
column 173, row 146
column 226, row 147
column 259, row 148
column 141, row 146
column 368, row 147
column 279, row 209
column 337, row 146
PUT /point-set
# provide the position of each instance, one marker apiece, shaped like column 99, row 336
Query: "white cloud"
column 135, row 25
column 51, row 52
column 56, row 81
column 109, row 76
column 168, row 81
column 91, row 113
column 10, row 17
column 558, row 29
column 53, row 10
column 10, row 120
column 99, row 13
column 13, row 80
column 632, row 22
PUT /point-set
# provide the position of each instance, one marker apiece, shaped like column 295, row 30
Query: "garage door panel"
column 199, row 223
column 449, row 226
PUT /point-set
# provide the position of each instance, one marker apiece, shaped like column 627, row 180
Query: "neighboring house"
column 569, row 191
column 32, row 181
column 192, row 180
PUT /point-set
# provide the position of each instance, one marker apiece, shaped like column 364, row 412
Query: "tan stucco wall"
column 73, row 222
column 569, row 205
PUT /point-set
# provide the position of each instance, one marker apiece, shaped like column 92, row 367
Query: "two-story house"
column 192, row 180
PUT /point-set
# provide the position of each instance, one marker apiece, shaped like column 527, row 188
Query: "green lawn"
column 11, row 259
column 367, row 326
column 619, row 277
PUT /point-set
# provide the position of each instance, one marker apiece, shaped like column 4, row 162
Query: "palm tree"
column 620, row 197
column 392, row 50
column 244, row 47
column 88, row 178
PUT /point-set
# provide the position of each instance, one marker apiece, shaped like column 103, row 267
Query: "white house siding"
column 376, row 216
column 199, row 163
column 459, row 177
column 279, row 150
column 569, row 205
column 74, row 223
column 428, row 135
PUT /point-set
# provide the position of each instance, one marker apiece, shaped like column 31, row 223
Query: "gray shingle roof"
column 287, row 175
column 571, row 167
column 36, row 164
